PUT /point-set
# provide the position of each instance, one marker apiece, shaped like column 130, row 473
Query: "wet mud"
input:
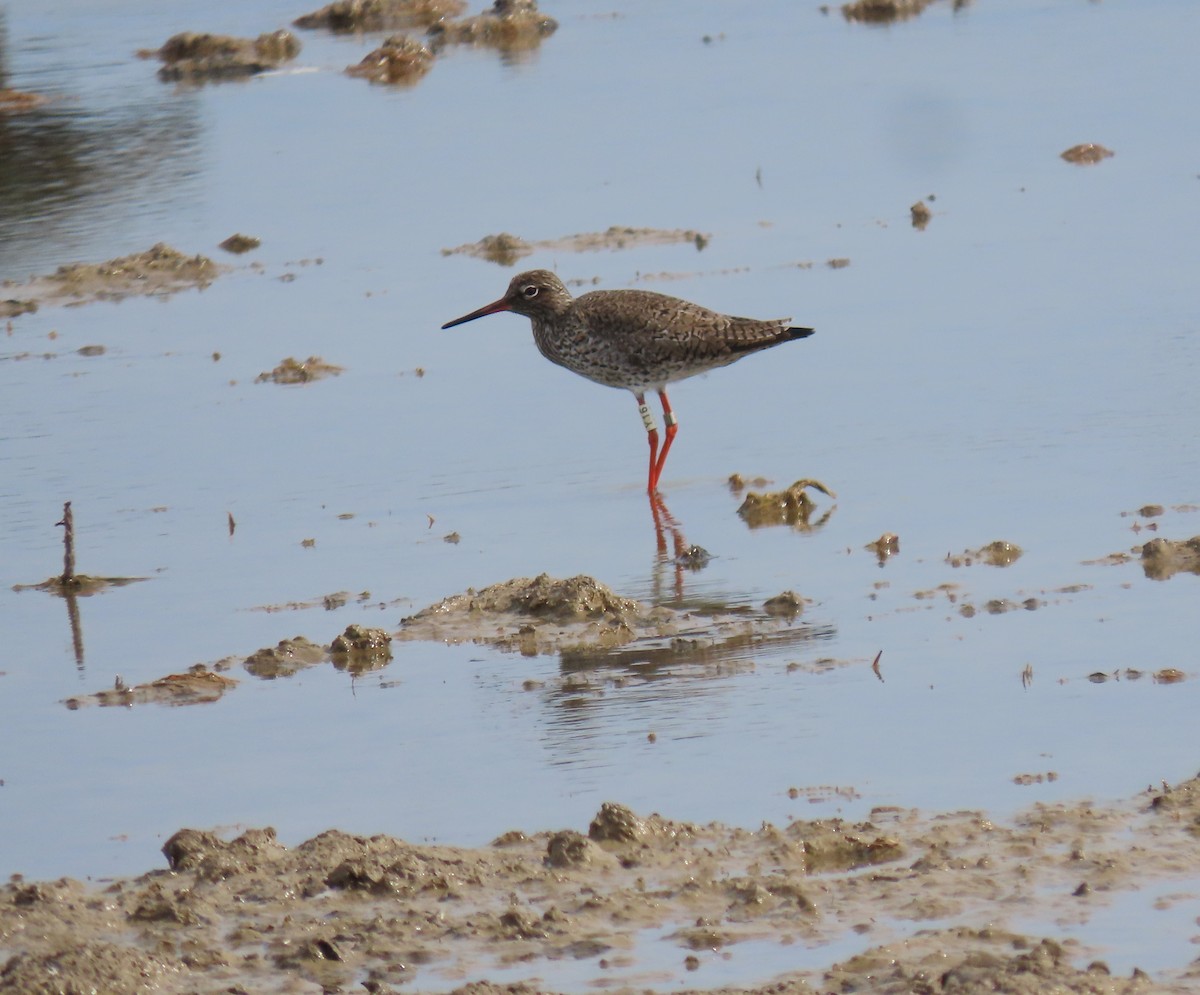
column 194, row 57
column 507, row 249
column 1163, row 558
column 381, row 15
column 238, row 243
column 19, row 101
column 926, row 902
column 400, row 59
column 159, row 271
column 921, row 215
column 295, row 371
column 998, row 553
column 508, row 25
column 792, row 506
column 1087, row 154
column 883, row 11
column 197, row 686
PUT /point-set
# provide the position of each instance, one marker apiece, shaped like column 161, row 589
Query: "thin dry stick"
column 68, row 524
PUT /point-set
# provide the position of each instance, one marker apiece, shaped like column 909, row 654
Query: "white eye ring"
column 530, row 291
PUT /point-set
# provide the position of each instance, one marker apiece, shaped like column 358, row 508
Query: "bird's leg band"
column 647, row 416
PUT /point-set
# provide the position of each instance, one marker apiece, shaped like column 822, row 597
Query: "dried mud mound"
column 340, row 910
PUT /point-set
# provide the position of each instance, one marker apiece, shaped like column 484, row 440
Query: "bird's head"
column 537, row 293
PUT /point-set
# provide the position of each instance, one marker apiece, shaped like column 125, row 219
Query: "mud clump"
column 160, row 270
column 198, row 57
column 400, row 59
column 617, row 824
column 503, row 248
column 574, row 599
column 1163, row 558
column 197, row 686
column 787, row 604
column 885, row 547
column 533, row 616
column 1087, row 154
column 19, row 101
column 883, row 11
column 238, row 243
column 13, row 307
column 360, row 649
column 792, row 506
column 995, row 554
column 293, row 371
column 921, row 215
column 284, row 659
column 506, row 249
column 510, row 25
column 380, row 15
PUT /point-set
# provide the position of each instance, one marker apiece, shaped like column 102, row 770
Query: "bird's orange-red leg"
column 672, row 424
column 652, row 435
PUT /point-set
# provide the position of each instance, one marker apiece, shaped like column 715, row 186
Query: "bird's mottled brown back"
column 639, row 340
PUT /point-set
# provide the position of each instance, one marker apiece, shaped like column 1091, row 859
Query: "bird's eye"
column 530, row 290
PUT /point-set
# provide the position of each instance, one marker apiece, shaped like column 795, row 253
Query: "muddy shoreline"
column 935, row 899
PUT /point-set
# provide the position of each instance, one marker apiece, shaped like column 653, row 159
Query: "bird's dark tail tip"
column 800, row 333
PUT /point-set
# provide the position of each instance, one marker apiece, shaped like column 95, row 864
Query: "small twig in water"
column 68, row 524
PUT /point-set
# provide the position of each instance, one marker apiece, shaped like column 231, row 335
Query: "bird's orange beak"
column 493, row 308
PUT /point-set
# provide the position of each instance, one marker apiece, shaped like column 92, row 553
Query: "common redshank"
column 634, row 339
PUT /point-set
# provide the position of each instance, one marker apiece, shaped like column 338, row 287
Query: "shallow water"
column 1024, row 370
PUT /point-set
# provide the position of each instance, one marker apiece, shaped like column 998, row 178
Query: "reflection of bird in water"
column 634, row 339
column 682, row 557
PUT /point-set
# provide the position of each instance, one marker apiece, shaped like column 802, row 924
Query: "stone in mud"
column 193, row 56
column 380, row 15
column 400, row 59
column 792, row 506
column 510, row 25
column 1163, row 558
